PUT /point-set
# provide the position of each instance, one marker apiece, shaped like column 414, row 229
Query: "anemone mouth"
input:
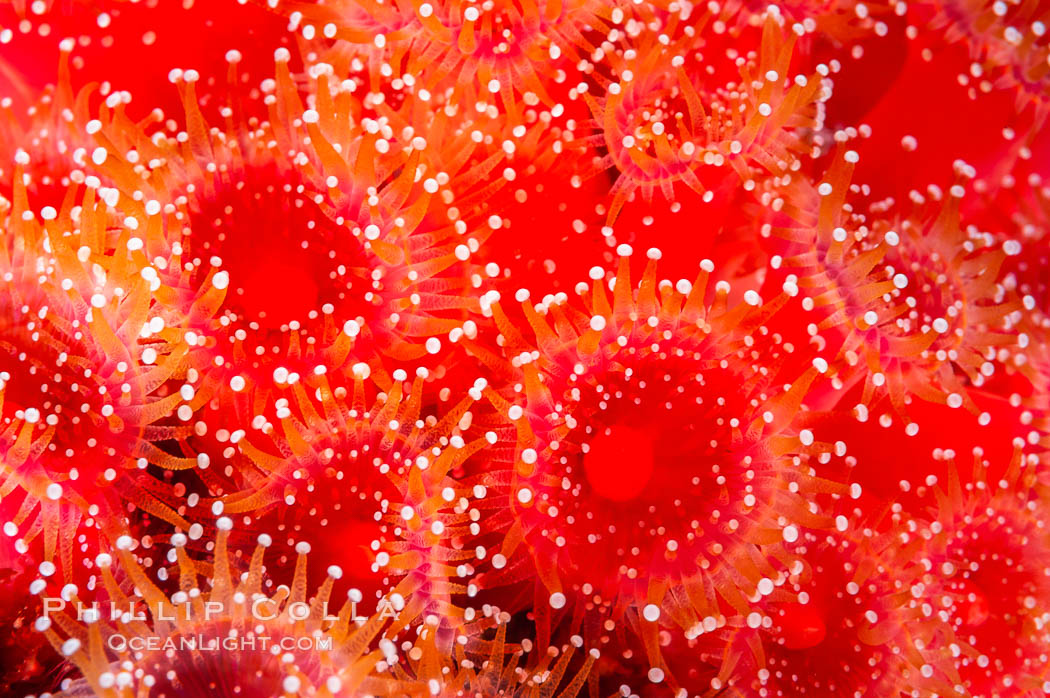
column 287, row 261
column 651, row 133
column 996, row 562
column 845, row 619
column 656, row 471
column 935, row 298
column 619, row 462
column 330, row 502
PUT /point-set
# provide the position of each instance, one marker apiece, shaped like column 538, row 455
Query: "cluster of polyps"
column 657, row 453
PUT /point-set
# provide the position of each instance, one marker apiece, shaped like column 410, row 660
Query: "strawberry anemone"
column 223, row 634
column 987, row 555
column 911, row 300
column 87, row 374
column 366, row 237
column 374, row 250
column 670, row 122
column 612, row 400
column 843, row 623
column 363, row 474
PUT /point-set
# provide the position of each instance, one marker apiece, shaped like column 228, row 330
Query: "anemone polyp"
column 842, row 624
column 912, row 298
column 666, row 117
column 376, row 254
column 237, row 634
column 987, row 565
column 656, row 446
column 366, row 229
column 331, row 462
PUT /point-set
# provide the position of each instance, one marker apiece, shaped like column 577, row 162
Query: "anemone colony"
column 524, row 348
